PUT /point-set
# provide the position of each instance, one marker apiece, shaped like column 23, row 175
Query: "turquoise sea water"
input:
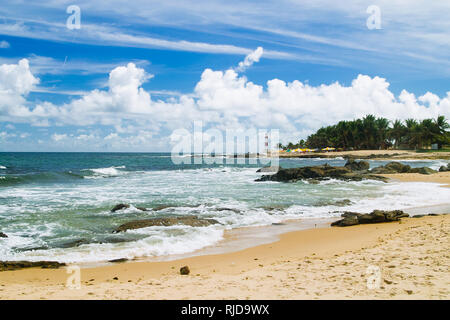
column 56, row 206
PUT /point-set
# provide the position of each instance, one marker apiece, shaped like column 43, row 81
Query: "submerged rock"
column 376, row 216
column 120, row 206
column 2, row 235
column 192, row 221
column 16, row 265
column 161, row 207
column 228, row 209
column 73, row 243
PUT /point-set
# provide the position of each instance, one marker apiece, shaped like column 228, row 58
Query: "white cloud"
column 250, row 59
column 221, row 99
column 16, row 81
column 58, row 137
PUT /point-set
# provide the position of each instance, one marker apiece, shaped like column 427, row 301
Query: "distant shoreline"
column 372, row 154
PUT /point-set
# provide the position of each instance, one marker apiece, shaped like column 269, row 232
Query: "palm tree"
column 397, row 132
column 382, row 126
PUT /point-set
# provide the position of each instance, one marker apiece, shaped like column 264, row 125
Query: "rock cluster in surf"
column 351, row 171
column 192, row 221
column 397, row 167
column 323, row 172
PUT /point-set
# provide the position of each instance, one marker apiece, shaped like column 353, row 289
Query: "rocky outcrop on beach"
column 357, row 166
column 376, row 216
column 397, row 167
column 192, row 221
column 444, row 168
column 323, row 172
column 351, row 171
column 2, row 235
column 16, row 265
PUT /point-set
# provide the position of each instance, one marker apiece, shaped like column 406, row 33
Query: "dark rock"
column 376, row 216
column 2, row 235
column 192, row 221
column 350, row 214
column 16, row 265
column 269, row 169
column 343, row 203
column 323, row 172
column 74, row 243
column 443, row 169
column 118, row 260
column 422, row 170
column 142, row 208
column 161, row 207
column 357, row 166
column 418, row 216
column 228, row 209
column 397, row 167
column 184, row 270
column 347, row 221
column 120, row 206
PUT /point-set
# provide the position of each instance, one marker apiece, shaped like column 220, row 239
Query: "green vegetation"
column 379, row 133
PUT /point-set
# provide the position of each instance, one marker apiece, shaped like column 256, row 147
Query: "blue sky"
column 326, row 63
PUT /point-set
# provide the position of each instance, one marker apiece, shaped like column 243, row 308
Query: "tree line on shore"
column 378, row 133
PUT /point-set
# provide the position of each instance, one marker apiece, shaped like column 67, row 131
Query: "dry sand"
column 412, row 256
column 439, row 177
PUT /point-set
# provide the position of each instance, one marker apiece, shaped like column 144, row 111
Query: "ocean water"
column 56, row 206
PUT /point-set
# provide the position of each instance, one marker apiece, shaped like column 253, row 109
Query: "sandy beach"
column 408, row 259
column 326, row 263
column 439, row 177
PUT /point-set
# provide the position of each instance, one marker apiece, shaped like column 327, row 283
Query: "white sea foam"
column 158, row 243
column 106, row 172
column 2, row 167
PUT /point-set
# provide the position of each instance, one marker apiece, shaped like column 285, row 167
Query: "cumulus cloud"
column 221, row 99
column 250, row 59
column 16, row 81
